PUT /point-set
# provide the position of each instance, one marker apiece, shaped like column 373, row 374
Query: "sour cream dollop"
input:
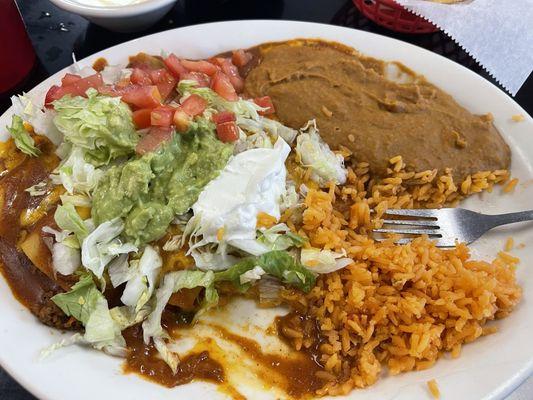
column 252, row 182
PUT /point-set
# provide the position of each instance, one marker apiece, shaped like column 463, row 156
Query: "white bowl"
column 130, row 18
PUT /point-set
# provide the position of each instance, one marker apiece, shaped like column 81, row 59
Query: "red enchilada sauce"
column 143, row 359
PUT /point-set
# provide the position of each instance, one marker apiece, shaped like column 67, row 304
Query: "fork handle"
column 510, row 218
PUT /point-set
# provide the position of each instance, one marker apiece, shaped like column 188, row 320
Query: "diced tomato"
column 223, row 116
column 232, row 72
column 173, row 63
column 164, row 81
column 222, row 85
column 265, row 102
column 141, row 118
column 181, row 120
column 81, row 85
column 200, row 66
column 160, row 75
column 77, row 88
column 194, row 105
column 51, row 95
column 227, row 132
column 115, row 90
column 142, row 96
column 153, row 139
column 69, row 79
column 202, row 79
column 162, row 116
column 140, row 77
column 240, row 58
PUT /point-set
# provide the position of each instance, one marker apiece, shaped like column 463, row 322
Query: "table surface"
column 57, row 34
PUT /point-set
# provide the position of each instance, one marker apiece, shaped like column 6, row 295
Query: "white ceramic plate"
column 489, row 368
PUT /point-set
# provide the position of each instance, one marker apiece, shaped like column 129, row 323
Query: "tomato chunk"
column 76, row 88
column 194, row 105
column 228, row 132
column 51, row 95
column 153, row 139
column 181, row 120
column 200, row 66
column 162, row 116
column 201, row 79
column 141, row 118
column 81, row 85
column 142, row 96
column 223, row 116
column 115, row 90
column 240, row 58
column 175, row 66
column 222, row 85
column 140, row 77
column 69, row 79
column 164, row 81
column 232, row 73
column 265, row 102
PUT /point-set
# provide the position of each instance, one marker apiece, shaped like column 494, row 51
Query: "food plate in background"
column 489, row 368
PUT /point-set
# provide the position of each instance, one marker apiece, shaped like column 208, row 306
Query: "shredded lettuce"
column 103, row 245
column 22, row 138
column 263, row 128
column 30, row 107
column 60, row 236
column 241, row 107
column 279, row 237
column 81, row 300
column 314, row 153
column 251, row 275
column 279, row 264
column 174, row 243
column 127, row 316
column 68, row 219
column 101, row 125
column 290, row 198
column 173, row 282
column 69, row 341
column 76, row 174
column 140, row 275
column 323, row 261
column 171, row 358
column 89, row 306
column 65, row 259
column 38, row 189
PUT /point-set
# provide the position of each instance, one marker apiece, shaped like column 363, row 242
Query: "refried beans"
column 378, row 110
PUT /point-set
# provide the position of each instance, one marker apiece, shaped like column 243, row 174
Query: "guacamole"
column 148, row 191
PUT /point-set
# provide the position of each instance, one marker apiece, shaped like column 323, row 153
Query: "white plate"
column 489, row 368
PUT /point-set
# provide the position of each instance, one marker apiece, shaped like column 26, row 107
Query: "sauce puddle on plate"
column 240, row 366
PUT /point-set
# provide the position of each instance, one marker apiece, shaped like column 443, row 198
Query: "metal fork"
column 446, row 225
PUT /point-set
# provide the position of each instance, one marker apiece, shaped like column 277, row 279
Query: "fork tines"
column 412, row 222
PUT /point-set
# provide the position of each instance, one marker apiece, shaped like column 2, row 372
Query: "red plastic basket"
column 393, row 16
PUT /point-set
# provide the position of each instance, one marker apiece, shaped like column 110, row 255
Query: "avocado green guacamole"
column 148, row 191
